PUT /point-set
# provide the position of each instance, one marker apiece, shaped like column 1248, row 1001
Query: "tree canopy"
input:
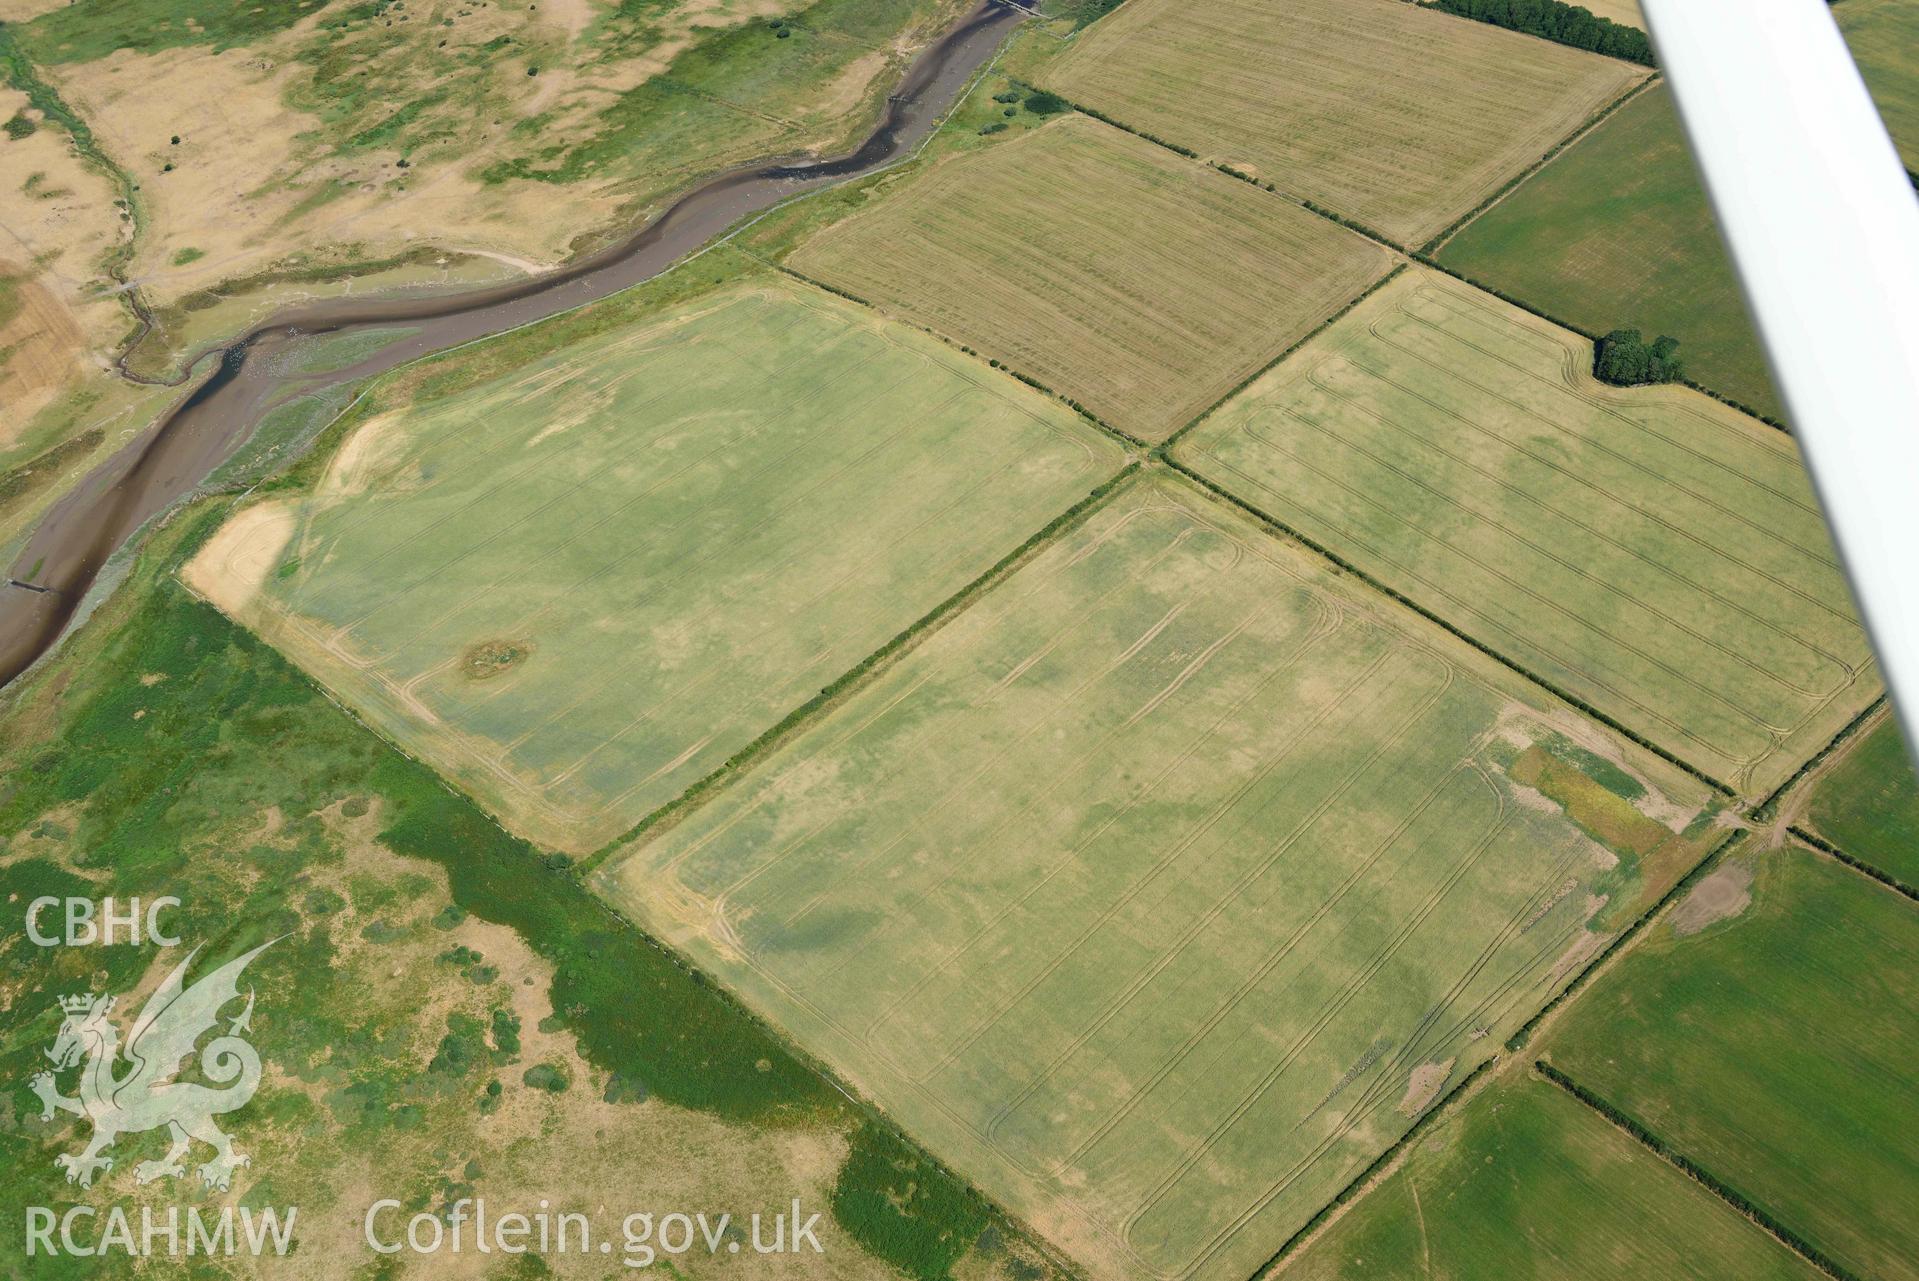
column 1567, row 24
column 1625, row 359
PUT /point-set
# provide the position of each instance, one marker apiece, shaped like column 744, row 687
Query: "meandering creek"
column 174, row 455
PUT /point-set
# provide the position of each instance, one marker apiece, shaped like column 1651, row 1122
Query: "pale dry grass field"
column 1654, row 552
column 740, row 500
column 1165, row 887
column 1625, row 12
column 1138, row 283
column 1400, row 118
column 61, row 405
column 57, row 223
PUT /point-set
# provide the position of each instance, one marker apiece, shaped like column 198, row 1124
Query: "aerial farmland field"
column 579, row 606
column 1884, row 38
column 1776, row 1046
column 1525, row 1181
column 1616, row 231
column 1400, row 118
column 1651, row 551
column 999, row 640
column 1138, row 283
column 1626, row 12
column 1167, row 884
column 1868, row 803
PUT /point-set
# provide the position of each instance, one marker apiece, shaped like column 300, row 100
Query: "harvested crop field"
column 1397, row 117
column 1625, row 12
column 1778, row 1051
column 579, row 587
column 1527, row 1182
column 1137, row 283
column 1163, row 888
column 1884, row 38
column 1868, row 803
column 1616, row 232
column 1651, row 551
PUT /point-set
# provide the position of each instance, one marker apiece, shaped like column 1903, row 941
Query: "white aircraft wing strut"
column 1823, row 225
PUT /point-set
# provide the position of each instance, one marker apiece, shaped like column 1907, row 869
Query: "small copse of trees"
column 1625, row 359
column 1567, row 24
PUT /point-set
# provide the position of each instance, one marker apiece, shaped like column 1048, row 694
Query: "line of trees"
column 1568, row 24
column 1625, row 359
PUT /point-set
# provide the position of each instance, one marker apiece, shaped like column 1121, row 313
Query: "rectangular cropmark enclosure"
column 1163, row 888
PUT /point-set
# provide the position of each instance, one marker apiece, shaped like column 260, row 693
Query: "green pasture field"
column 582, row 584
column 1161, row 889
column 1777, row 1048
column 1527, row 1182
column 1616, row 232
column 1868, row 804
column 1884, row 38
column 1656, row 554
column 1139, row 284
column 1400, row 118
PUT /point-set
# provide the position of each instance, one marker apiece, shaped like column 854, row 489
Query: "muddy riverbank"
column 173, row 456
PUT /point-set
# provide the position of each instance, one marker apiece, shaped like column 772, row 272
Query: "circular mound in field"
column 494, row 658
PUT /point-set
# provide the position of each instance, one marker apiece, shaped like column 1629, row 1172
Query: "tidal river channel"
column 175, row 454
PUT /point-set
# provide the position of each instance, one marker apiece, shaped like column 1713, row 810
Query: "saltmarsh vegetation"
column 732, row 94
column 608, row 110
column 167, row 751
column 21, row 482
column 84, row 32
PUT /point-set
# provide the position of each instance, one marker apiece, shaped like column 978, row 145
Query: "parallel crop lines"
column 1106, row 887
column 1657, row 555
column 1138, row 284
column 671, row 550
column 1399, row 118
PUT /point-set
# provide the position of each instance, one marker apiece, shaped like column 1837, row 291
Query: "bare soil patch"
column 494, row 658
column 1721, row 896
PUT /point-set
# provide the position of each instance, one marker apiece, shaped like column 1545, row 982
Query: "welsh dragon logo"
column 141, row 1093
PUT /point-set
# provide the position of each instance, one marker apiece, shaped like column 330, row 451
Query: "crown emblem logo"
column 127, row 1093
